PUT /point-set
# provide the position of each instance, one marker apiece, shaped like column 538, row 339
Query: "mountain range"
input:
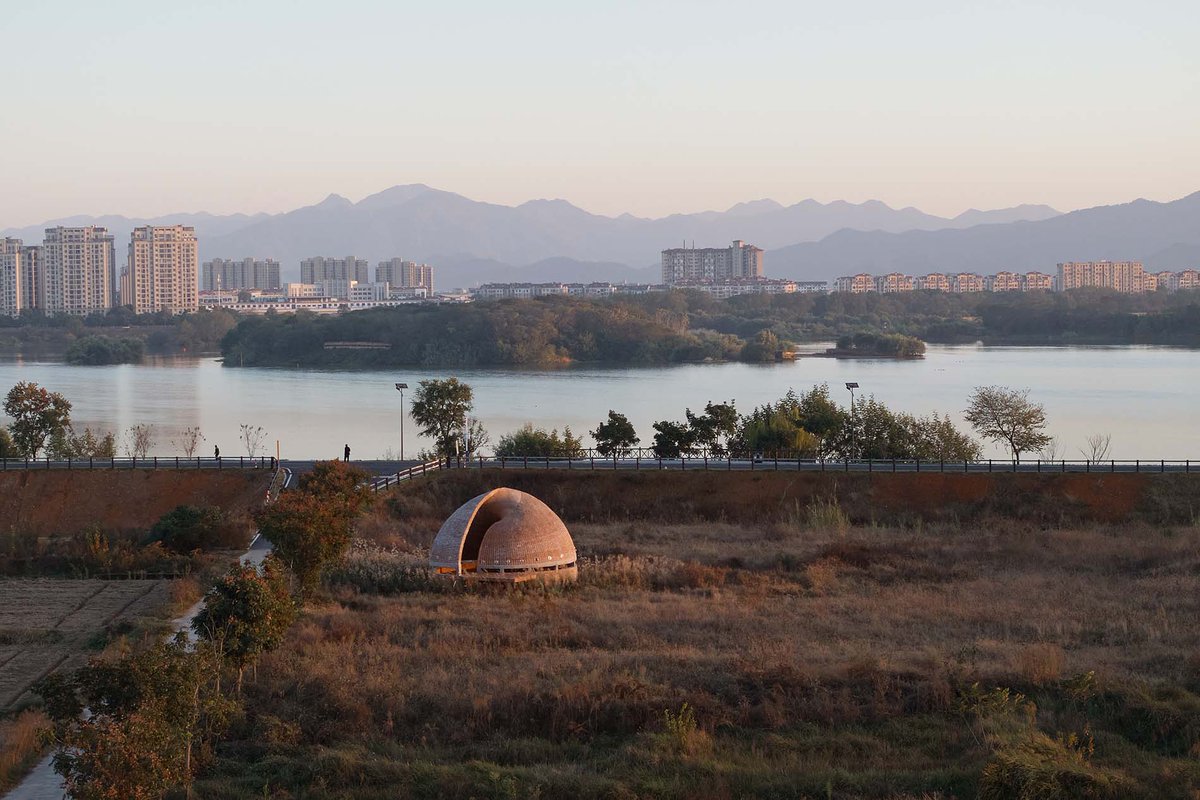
column 470, row 242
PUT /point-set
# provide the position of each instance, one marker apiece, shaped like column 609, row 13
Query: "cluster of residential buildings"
column 1128, row 277
column 327, row 285
column 74, row 271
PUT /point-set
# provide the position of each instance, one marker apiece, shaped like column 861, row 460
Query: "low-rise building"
column 1003, row 282
column 1187, row 279
column 855, row 284
column 934, row 282
column 1037, row 282
column 894, row 282
column 965, row 282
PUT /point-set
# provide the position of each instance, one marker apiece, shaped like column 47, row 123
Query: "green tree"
column 67, row 444
column 311, row 528
column 714, row 428
column 673, row 439
column 530, row 441
column 146, row 714
column 246, row 613
column 1008, row 417
column 440, row 408
column 615, row 436
column 763, row 347
column 8, row 449
column 37, row 414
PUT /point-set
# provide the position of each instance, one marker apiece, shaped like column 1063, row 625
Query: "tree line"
column 798, row 425
column 41, row 427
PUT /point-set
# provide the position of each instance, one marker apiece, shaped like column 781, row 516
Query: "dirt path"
column 43, row 783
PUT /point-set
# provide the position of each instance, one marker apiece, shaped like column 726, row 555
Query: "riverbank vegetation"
column 677, row 327
column 96, row 351
column 35, row 334
column 800, row 651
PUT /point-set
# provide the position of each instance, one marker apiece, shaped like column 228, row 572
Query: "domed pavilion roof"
column 503, row 530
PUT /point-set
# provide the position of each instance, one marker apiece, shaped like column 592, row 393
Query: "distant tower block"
column 505, row 536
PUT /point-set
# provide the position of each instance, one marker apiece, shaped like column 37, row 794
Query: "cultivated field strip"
column 48, row 624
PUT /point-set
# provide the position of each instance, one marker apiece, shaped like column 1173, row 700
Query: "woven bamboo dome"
column 504, row 535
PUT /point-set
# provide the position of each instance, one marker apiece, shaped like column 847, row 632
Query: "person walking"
column 347, row 458
column 217, row 452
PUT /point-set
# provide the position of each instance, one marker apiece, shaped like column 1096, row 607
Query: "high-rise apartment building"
column 76, row 269
column 404, row 274
column 689, row 265
column 11, row 273
column 160, row 274
column 224, row 274
column 1121, row 276
column 320, row 268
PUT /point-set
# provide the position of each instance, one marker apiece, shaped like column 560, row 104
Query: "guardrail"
column 387, row 481
column 818, row 465
column 150, row 462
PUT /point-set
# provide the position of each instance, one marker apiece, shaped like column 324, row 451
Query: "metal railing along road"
column 387, row 481
column 710, row 463
column 149, row 462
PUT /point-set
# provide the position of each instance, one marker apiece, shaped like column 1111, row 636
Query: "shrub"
column 1040, row 768
column 188, row 528
column 827, row 515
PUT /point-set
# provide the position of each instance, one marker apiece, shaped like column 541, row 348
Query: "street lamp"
column 400, row 387
column 852, row 386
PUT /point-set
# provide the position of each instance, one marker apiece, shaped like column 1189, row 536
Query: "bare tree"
column 138, row 440
column 253, row 436
column 1098, row 445
column 1053, row 450
column 189, row 441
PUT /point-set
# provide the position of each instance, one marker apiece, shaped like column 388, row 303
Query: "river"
column 1145, row 397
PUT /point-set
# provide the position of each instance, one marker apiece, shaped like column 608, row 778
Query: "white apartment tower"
column 11, row 272
column 76, row 269
column 320, row 268
column 161, row 272
column 404, row 274
column 689, row 265
column 224, row 274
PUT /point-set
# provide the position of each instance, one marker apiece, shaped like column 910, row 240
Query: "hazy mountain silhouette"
column 464, row 236
column 1161, row 235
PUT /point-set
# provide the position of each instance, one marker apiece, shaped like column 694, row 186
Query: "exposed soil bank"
column 903, row 498
column 60, row 502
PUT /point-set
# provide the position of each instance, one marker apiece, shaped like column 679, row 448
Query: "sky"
column 649, row 107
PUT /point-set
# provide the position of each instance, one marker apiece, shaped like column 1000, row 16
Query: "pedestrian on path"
column 216, row 452
column 347, row 458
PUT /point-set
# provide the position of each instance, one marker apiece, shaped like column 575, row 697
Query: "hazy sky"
column 650, row 107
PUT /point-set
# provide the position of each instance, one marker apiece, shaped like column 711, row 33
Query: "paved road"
column 770, row 465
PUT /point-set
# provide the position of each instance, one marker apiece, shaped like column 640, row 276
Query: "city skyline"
column 661, row 108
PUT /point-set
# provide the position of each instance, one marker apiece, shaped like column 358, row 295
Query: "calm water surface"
column 1146, row 397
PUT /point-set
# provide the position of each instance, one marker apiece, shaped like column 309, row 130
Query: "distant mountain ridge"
column 1160, row 235
column 474, row 241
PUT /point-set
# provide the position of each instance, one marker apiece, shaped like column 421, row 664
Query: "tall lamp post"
column 400, row 387
column 852, row 386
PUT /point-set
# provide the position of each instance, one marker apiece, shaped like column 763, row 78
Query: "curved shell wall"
column 504, row 530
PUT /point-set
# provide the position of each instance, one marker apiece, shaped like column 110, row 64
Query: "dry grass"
column 803, row 652
column 21, row 745
column 47, row 625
